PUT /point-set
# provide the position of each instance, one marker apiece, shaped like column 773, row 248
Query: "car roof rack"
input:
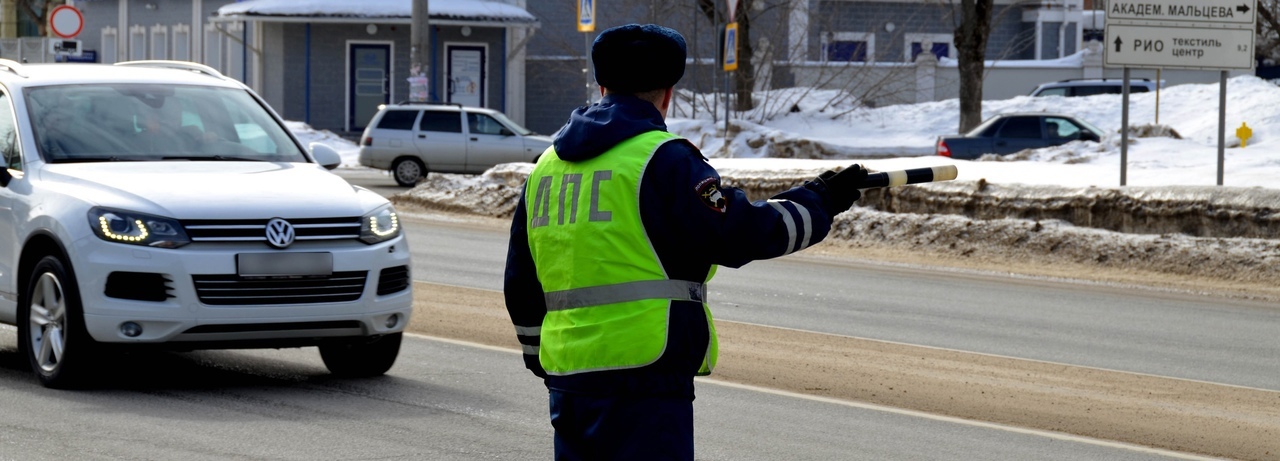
column 433, row 103
column 180, row 65
column 12, row 66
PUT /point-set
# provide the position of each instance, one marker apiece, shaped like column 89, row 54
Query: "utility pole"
column 420, row 53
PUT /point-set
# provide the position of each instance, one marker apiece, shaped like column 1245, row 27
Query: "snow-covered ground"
column 908, row 133
column 898, row 137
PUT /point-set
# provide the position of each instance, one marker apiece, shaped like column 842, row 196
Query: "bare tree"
column 1267, row 43
column 744, row 77
column 971, row 47
column 38, row 11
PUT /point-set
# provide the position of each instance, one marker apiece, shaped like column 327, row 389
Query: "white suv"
column 412, row 139
column 161, row 203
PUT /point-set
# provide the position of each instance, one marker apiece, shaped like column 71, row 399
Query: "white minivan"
column 412, row 139
column 162, row 204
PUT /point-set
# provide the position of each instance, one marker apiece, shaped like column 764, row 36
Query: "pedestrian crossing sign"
column 731, row 47
column 586, row 15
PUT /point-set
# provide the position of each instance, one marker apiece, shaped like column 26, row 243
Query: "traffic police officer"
column 620, row 226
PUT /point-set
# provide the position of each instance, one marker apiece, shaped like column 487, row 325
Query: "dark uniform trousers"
column 622, row 427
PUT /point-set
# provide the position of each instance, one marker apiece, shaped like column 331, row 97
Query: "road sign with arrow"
column 1188, row 34
column 1206, row 13
column 1181, row 47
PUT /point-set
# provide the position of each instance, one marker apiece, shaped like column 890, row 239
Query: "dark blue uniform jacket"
column 691, row 228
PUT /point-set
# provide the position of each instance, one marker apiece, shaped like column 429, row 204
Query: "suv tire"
column 408, row 171
column 361, row 357
column 51, row 331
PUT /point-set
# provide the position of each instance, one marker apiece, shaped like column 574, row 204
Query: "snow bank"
column 1036, row 224
column 1202, row 211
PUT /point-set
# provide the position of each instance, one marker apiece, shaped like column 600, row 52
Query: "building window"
column 848, row 47
column 213, row 47
column 235, row 52
column 137, row 43
column 939, row 44
column 109, row 54
column 181, row 42
column 159, row 42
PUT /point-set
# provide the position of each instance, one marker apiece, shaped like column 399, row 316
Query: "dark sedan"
column 1009, row 133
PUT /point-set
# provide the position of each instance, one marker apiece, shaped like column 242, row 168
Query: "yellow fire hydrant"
column 1244, row 133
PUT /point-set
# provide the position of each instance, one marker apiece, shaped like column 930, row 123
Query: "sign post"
column 1184, row 34
column 587, row 25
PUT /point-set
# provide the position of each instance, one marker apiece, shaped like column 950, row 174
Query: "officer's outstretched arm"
column 523, row 292
column 721, row 224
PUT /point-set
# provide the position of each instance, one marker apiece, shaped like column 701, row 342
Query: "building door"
column 465, row 74
column 369, row 82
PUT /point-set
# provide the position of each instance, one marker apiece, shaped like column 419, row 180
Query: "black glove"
column 842, row 186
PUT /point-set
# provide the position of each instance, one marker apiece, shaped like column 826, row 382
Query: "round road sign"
column 65, row 21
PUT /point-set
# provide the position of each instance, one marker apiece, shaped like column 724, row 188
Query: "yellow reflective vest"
column 606, row 292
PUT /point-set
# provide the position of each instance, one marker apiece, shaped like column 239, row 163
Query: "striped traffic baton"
column 909, row 176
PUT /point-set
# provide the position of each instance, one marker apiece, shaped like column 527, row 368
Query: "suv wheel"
column 362, row 357
column 51, row 332
column 407, row 171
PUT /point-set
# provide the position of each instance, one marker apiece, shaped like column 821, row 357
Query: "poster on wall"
column 466, row 76
column 418, row 84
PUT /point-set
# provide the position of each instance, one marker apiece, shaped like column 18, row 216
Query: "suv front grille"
column 234, row 290
column 255, row 230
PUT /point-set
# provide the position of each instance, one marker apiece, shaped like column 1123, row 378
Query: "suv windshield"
column 147, row 122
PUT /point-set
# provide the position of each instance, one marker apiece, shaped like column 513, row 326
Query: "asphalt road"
column 445, row 400
column 1206, row 338
column 1128, row 329
column 442, row 401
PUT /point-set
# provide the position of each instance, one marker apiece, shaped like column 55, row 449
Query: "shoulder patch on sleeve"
column 709, row 192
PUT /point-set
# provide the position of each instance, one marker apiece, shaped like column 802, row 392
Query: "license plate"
column 284, row 264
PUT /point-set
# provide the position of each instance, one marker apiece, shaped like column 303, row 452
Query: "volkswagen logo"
column 279, row 233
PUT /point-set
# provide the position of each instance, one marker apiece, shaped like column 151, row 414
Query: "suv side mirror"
column 1090, row 136
column 325, row 155
column 506, row 132
column 5, row 177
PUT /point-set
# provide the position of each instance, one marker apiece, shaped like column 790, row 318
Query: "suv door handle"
column 422, row 136
column 473, row 138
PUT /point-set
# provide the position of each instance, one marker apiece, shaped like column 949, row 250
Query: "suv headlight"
column 136, row 228
column 379, row 226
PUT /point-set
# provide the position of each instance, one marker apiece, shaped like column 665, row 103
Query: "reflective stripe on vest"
column 675, row 290
column 607, row 293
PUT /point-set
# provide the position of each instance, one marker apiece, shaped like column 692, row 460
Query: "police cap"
column 636, row 58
